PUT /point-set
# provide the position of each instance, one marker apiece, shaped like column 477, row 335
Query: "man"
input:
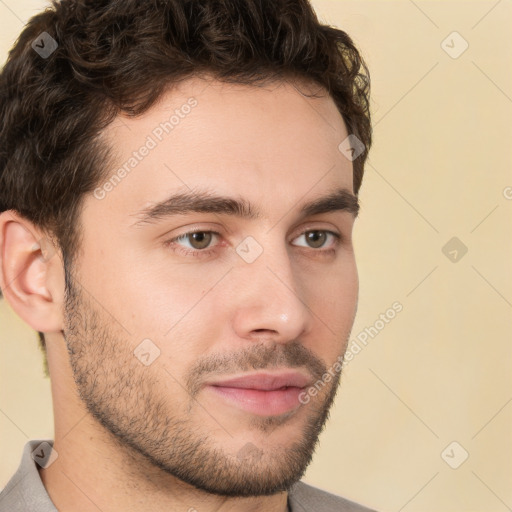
column 178, row 182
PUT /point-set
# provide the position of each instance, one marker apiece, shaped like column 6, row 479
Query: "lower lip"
column 262, row 403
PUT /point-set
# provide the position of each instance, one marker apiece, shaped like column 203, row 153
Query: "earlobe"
column 28, row 271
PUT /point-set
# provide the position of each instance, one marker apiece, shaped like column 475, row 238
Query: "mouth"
column 263, row 394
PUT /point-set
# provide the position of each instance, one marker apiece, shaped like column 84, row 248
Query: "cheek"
column 336, row 288
column 334, row 303
column 149, row 300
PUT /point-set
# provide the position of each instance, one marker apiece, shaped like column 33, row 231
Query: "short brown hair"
column 119, row 56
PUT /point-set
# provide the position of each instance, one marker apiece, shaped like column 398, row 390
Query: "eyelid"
column 209, row 250
column 337, row 239
column 192, row 252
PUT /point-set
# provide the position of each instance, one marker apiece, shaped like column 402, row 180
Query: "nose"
column 269, row 302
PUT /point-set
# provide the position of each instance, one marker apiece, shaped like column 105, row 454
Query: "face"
column 192, row 349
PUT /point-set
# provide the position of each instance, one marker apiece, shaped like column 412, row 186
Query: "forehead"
column 270, row 144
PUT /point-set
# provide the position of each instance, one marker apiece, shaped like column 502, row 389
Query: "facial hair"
column 133, row 404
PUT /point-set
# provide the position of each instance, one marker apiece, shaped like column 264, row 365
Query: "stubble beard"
column 122, row 395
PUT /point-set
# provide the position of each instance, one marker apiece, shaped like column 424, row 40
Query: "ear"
column 31, row 273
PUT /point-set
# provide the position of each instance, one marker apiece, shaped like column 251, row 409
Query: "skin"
column 136, row 437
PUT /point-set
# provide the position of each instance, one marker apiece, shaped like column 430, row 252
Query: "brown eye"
column 200, row 239
column 316, row 239
column 194, row 243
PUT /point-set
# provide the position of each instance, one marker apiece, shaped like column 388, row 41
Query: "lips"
column 264, row 394
column 266, row 382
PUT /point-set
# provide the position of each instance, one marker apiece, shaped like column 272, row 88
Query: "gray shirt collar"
column 25, row 490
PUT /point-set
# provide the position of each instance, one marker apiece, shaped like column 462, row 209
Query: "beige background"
column 440, row 371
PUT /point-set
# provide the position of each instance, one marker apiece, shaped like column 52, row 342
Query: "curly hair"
column 114, row 57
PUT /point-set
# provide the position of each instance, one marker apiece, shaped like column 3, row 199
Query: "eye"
column 199, row 242
column 316, row 238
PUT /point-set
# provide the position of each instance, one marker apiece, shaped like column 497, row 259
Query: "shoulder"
column 305, row 498
column 25, row 490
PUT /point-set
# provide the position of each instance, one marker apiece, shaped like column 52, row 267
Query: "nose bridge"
column 269, row 297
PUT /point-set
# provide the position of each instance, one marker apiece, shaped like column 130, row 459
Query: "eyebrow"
column 208, row 202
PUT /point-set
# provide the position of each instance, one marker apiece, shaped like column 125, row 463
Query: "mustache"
column 260, row 356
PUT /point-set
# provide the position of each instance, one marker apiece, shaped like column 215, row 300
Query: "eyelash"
column 207, row 252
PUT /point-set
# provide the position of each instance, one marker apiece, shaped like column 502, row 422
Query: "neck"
column 94, row 472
